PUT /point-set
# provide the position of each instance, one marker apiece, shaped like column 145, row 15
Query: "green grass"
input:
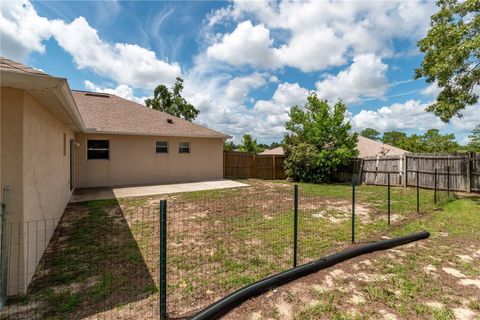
column 244, row 235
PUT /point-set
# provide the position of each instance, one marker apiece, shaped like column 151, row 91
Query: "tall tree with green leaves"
column 318, row 141
column 432, row 141
column 370, row 134
column 474, row 143
column 229, row 146
column 248, row 144
column 452, row 56
column 395, row 138
column 172, row 102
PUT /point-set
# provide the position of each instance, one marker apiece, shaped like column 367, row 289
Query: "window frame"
column 180, row 147
column 101, row 149
column 156, row 146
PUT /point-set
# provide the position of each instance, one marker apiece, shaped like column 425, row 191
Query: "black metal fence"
column 135, row 258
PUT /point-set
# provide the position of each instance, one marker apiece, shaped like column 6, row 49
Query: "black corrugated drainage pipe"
column 217, row 309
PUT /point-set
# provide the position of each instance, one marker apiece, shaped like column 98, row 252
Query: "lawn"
column 103, row 260
column 437, row 278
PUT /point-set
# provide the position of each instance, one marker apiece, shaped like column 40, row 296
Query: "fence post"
column 435, row 187
column 163, row 260
column 388, row 196
column 405, row 171
column 274, row 167
column 448, row 181
column 295, row 224
column 468, row 179
column 254, row 166
column 224, row 164
column 418, row 192
column 353, row 211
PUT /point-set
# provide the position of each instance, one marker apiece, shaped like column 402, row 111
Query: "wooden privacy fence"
column 457, row 172
column 249, row 165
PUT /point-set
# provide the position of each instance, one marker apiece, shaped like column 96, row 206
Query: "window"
column 161, row 147
column 98, row 149
column 184, row 147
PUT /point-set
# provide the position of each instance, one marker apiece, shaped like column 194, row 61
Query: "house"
column 54, row 140
column 366, row 148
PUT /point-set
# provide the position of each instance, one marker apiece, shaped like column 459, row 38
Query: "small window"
column 98, row 149
column 184, row 147
column 161, row 147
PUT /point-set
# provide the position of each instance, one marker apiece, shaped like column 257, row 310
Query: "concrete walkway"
column 86, row 194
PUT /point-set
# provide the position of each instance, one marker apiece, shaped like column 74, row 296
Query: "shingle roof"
column 366, row 148
column 10, row 65
column 278, row 151
column 108, row 113
column 370, row 148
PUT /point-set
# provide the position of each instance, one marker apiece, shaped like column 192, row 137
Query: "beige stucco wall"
column 34, row 165
column 133, row 161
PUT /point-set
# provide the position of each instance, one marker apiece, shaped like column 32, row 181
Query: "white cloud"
column 431, row 91
column 23, row 31
column 470, row 118
column 286, row 96
column 365, row 77
column 125, row 63
column 248, row 44
column 321, row 34
column 410, row 115
column 238, row 88
column 122, row 91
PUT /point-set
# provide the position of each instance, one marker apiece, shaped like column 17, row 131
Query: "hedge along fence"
column 457, row 172
column 250, row 165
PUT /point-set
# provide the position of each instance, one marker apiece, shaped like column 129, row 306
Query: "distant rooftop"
column 366, row 148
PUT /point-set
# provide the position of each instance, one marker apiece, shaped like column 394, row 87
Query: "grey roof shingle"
column 108, row 113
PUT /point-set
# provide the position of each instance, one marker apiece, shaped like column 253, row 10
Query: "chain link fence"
column 103, row 259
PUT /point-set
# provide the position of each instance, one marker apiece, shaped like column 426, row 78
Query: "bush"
column 319, row 141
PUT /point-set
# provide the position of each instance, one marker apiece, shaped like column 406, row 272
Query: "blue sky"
column 244, row 63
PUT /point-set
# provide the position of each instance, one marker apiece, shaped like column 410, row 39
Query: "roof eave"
column 34, row 82
column 153, row 134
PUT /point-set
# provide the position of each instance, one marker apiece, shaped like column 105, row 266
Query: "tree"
column 229, row 146
column 318, row 141
column 370, row 134
column 452, row 56
column 249, row 144
column 432, row 141
column 172, row 102
column 474, row 143
column 394, row 138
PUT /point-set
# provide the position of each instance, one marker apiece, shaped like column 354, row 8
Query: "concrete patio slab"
column 87, row 194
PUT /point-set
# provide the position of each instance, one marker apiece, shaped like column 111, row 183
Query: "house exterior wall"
column 34, row 166
column 46, row 177
column 133, row 161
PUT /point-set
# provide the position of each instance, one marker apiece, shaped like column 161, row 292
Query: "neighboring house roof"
column 366, row 148
column 108, row 113
column 278, row 151
column 53, row 92
column 371, row 148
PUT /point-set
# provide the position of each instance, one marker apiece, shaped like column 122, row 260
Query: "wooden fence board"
column 463, row 171
column 248, row 165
